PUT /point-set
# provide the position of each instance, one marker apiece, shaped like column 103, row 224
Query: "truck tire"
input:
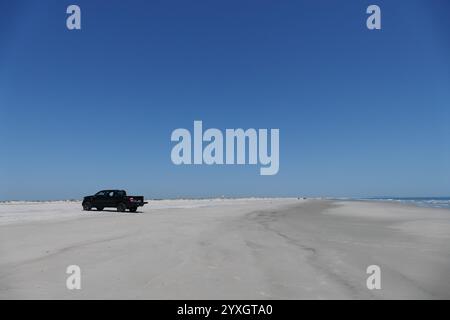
column 133, row 209
column 100, row 208
column 121, row 207
column 87, row 206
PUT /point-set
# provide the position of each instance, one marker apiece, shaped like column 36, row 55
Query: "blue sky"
column 361, row 113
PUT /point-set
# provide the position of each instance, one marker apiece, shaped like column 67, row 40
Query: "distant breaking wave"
column 429, row 202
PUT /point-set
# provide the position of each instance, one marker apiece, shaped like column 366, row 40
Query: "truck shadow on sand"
column 110, row 210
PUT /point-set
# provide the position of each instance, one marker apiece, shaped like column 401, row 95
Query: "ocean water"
column 430, row 202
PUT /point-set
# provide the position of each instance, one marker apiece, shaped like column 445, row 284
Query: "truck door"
column 110, row 199
column 118, row 197
column 100, row 199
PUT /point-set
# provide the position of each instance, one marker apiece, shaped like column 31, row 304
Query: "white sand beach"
column 225, row 249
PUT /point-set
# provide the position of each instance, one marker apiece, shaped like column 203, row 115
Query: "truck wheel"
column 121, row 207
column 133, row 209
column 99, row 208
column 87, row 206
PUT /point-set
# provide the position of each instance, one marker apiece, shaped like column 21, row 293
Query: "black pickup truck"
column 113, row 199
